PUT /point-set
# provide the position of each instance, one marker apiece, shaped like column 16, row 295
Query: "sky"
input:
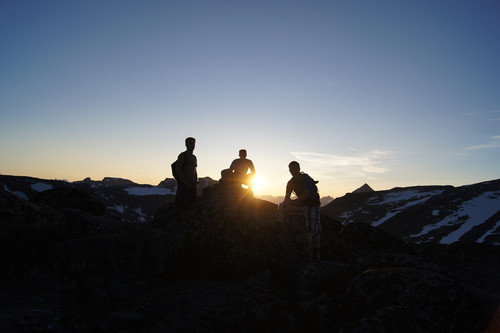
column 389, row 93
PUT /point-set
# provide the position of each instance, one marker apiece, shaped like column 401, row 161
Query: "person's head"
column 190, row 143
column 243, row 153
column 294, row 168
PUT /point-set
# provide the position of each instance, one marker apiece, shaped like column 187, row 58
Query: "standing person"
column 240, row 167
column 307, row 202
column 188, row 177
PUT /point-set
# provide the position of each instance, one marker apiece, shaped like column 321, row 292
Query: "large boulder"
column 226, row 232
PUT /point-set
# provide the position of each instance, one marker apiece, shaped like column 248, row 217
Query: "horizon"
column 388, row 94
column 256, row 194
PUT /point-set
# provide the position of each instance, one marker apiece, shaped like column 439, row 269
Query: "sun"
column 257, row 183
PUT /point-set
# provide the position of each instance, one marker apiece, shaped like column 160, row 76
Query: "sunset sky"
column 389, row 93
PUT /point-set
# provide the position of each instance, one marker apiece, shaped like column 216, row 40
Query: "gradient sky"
column 389, row 93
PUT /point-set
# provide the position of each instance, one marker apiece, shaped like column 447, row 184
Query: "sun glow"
column 257, row 183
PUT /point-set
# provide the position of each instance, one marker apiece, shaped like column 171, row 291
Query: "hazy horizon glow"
column 385, row 93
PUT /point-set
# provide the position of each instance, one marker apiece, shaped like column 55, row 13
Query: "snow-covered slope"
column 437, row 214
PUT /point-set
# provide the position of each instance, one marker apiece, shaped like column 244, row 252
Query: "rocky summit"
column 230, row 263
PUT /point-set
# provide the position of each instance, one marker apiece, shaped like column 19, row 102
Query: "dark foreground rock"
column 229, row 264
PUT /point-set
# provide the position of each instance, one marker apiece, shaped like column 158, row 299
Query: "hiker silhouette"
column 240, row 168
column 188, row 177
column 306, row 204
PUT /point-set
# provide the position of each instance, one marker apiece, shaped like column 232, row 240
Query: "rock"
column 230, row 264
column 71, row 198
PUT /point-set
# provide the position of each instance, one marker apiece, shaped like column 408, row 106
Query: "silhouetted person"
column 307, row 202
column 240, row 167
column 188, row 177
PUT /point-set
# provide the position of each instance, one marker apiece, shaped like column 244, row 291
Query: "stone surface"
column 230, row 264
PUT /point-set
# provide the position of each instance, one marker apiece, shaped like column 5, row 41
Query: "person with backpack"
column 307, row 202
column 184, row 172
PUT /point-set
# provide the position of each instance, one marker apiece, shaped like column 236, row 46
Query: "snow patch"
column 346, row 215
column 40, row 187
column 414, row 198
column 406, row 196
column 141, row 214
column 387, row 217
column 18, row 193
column 119, row 208
column 472, row 213
column 138, row 211
column 140, row 191
column 489, row 232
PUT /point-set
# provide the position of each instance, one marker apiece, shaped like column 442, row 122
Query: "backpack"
column 313, row 199
column 174, row 170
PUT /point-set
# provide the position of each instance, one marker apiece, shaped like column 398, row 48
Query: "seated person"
column 240, row 167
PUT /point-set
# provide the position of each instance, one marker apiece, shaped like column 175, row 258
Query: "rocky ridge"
column 122, row 198
column 230, row 264
column 426, row 214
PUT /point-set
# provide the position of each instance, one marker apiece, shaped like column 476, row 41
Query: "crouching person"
column 307, row 203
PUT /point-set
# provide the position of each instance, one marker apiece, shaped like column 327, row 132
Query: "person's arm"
column 288, row 193
column 251, row 167
column 196, row 171
column 232, row 167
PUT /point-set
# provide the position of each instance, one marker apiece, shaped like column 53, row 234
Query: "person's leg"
column 180, row 198
column 247, row 180
column 314, row 228
column 191, row 196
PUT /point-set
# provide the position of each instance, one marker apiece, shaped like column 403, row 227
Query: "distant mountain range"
column 419, row 214
column 123, row 199
column 426, row 214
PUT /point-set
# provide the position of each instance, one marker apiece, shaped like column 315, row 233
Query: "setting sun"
column 257, row 183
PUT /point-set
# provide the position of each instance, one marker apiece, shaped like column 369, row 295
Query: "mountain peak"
column 364, row 188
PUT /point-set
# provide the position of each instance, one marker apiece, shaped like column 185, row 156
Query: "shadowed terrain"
column 229, row 264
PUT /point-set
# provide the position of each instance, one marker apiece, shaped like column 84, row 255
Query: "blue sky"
column 389, row 93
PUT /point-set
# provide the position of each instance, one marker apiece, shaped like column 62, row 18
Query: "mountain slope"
column 123, row 199
column 231, row 264
column 427, row 214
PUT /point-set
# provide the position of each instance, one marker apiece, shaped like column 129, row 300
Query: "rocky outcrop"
column 226, row 233
column 230, row 264
column 71, row 198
